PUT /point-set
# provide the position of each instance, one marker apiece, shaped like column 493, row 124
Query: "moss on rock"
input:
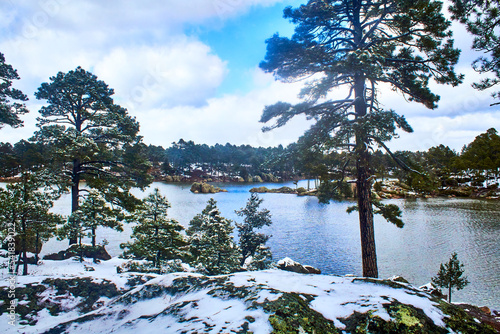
column 291, row 314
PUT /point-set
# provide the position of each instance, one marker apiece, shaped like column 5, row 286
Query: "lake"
column 326, row 237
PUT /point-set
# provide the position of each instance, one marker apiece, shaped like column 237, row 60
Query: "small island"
column 285, row 190
column 205, row 188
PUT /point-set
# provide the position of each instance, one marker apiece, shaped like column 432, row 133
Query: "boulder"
column 88, row 251
column 288, row 264
column 433, row 290
column 55, row 256
column 312, row 270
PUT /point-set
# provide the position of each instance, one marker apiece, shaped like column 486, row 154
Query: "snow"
column 339, row 297
column 333, row 296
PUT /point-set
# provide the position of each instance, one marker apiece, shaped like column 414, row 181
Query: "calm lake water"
column 326, row 237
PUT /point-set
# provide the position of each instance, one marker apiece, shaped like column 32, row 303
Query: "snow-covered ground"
column 255, row 302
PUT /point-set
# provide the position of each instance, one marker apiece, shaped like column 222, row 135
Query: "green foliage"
column 482, row 154
column 481, row 17
column 252, row 243
column 90, row 137
column 156, row 237
column 228, row 161
column 92, row 213
column 212, row 247
column 11, row 106
column 25, row 217
column 391, row 212
column 336, row 190
column 450, row 277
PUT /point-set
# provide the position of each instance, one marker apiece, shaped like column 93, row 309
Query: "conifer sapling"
column 156, row 238
column 450, row 276
column 252, row 244
column 212, row 247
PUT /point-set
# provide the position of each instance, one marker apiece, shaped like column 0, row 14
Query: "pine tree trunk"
column 366, row 226
column 363, row 184
column 449, row 294
column 94, row 250
column 75, row 192
column 37, row 251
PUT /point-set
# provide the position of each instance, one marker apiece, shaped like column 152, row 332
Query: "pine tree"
column 92, row 213
column 91, row 138
column 250, row 241
column 212, row 245
column 24, row 208
column 481, row 17
column 156, row 237
column 450, row 276
column 354, row 49
column 10, row 107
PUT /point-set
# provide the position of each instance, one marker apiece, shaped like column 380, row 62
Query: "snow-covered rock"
column 288, row 264
column 259, row 302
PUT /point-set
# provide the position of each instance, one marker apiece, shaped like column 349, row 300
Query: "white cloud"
column 454, row 132
column 231, row 118
column 184, row 72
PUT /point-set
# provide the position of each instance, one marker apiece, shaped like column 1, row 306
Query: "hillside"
column 73, row 297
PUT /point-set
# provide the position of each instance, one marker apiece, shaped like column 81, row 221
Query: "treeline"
column 188, row 161
column 434, row 171
column 475, row 165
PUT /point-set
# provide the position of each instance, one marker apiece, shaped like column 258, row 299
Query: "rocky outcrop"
column 288, row 264
column 205, row 188
column 87, row 251
column 484, row 314
column 270, row 301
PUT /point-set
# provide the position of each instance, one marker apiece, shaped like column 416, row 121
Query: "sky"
column 189, row 69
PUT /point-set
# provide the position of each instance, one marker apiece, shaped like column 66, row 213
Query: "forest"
column 438, row 167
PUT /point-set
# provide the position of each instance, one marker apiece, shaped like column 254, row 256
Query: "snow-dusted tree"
column 481, row 17
column 92, row 213
column 11, row 99
column 24, row 215
column 91, row 138
column 156, row 237
column 249, row 240
column 450, row 276
column 212, row 246
column 354, row 49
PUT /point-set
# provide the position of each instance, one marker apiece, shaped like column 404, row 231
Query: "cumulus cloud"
column 184, row 72
column 231, row 118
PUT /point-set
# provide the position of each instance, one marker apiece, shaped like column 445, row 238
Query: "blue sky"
column 241, row 41
column 189, row 69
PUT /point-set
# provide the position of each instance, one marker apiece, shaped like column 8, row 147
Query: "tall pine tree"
column 482, row 19
column 91, row 138
column 354, row 49
column 11, row 99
